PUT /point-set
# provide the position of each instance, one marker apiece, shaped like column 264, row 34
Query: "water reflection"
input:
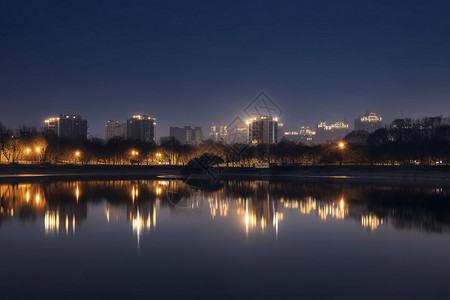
column 257, row 205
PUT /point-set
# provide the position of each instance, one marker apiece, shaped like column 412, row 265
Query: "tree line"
column 406, row 141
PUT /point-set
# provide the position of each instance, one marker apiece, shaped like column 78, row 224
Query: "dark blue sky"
column 197, row 62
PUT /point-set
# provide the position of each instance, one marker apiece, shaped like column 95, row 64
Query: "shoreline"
column 408, row 174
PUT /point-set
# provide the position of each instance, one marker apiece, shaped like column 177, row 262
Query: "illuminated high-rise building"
column 218, row 133
column 330, row 132
column 263, row 130
column 368, row 122
column 115, row 130
column 67, row 126
column 142, row 128
column 187, row 135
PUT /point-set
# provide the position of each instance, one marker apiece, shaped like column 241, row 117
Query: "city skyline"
column 287, row 127
column 173, row 61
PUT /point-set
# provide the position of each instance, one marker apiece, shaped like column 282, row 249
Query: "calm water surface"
column 169, row 239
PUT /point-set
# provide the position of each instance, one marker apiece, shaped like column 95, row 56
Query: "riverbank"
column 371, row 173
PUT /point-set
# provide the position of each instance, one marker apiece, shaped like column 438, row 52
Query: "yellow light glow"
column 341, row 145
column 67, row 224
column 28, row 150
column 77, row 192
column 77, row 153
column 38, row 149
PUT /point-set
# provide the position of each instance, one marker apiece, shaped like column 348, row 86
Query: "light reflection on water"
column 258, row 204
column 254, row 208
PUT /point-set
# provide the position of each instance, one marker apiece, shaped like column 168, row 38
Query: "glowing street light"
column 77, row 154
column 341, row 146
column 38, row 149
column 28, row 150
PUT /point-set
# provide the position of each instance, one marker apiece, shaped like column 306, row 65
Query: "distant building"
column 263, row 130
column 291, row 136
column 142, row 128
column 218, row 133
column 115, row 130
column 280, row 133
column 186, row 135
column 330, row 132
column 237, row 135
column 368, row 122
column 305, row 135
column 67, row 126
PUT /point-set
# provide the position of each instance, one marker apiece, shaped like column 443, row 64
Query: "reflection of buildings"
column 218, row 207
column 371, row 221
column 338, row 209
column 32, row 201
column 23, row 200
column 263, row 212
column 142, row 216
column 255, row 205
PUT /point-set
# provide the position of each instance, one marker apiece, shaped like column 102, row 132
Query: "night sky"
column 197, row 62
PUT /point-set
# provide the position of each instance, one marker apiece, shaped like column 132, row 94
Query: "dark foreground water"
column 167, row 239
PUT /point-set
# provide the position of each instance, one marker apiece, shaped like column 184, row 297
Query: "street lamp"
column 77, row 154
column 341, row 146
column 134, row 153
